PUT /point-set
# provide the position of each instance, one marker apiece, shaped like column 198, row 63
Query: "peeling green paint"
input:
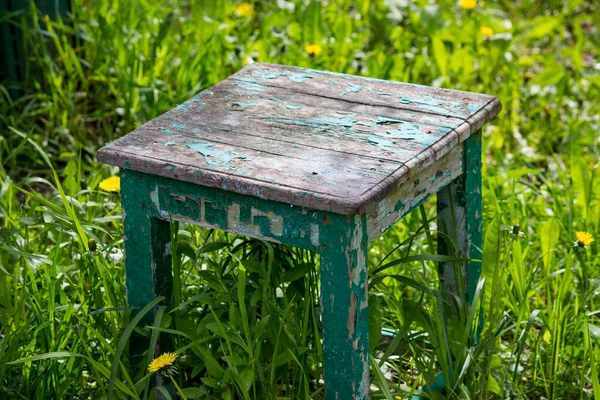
column 345, row 307
column 248, row 84
column 319, row 121
column 426, row 100
column 351, row 88
column 292, row 76
column 212, row 156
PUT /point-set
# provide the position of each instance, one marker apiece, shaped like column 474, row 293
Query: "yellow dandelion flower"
column 583, row 239
column 112, row 184
column 527, row 75
column 245, row 10
column 313, row 49
column 163, row 361
column 468, row 4
column 486, row 31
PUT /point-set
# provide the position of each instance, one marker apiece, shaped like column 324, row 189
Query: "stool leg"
column 147, row 255
column 459, row 223
column 344, row 294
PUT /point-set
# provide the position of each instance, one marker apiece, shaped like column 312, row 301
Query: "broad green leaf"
column 549, row 235
column 297, row 272
column 491, row 258
column 247, row 378
column 214, row 368
column 493, row 386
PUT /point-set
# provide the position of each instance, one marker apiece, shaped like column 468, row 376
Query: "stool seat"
column 310, row 138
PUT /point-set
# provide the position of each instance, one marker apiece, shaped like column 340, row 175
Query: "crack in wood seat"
column 313, row 159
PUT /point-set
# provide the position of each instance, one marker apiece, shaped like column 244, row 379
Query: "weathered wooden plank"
column 344, row 296
column 247, row 215
column 245, row 171
column 268, row 147
column 405, row 96
column 416, row 187
column 363, row 134
column 292, row 99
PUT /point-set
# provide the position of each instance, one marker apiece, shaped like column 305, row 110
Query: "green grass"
column 245, row 321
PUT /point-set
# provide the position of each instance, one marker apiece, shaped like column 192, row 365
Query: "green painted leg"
column 459, row 222
column 344, row 293
column 147, row 255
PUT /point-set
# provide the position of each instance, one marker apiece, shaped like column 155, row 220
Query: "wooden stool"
column 312, row 159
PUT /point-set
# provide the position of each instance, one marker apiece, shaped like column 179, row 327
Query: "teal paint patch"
column 214, row 157
column 248, row 84
column 317, row 122
column 405, row 128
column 170, row 144
column 242, row 104
column 335, row 74
column 426, row 100
column 286, row 104
column 200, row 95
column 185, row 107
column 399, row 206
column 298, row 78
column 380, row 142
column 292, row 76
column 473, row 108
column 351, row 88
column 179, row 127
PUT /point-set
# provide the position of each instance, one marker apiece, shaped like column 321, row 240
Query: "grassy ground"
column 245, row 320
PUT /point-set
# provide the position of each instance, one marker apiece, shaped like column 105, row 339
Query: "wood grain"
column 310, row 138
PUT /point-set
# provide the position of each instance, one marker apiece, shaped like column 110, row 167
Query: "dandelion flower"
column 527, row 75
column 245, row 10
column 164, row 361
column 313, row 49
column 468, row 4
column 112, row 184
column 584, row 239
column 486, row 31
